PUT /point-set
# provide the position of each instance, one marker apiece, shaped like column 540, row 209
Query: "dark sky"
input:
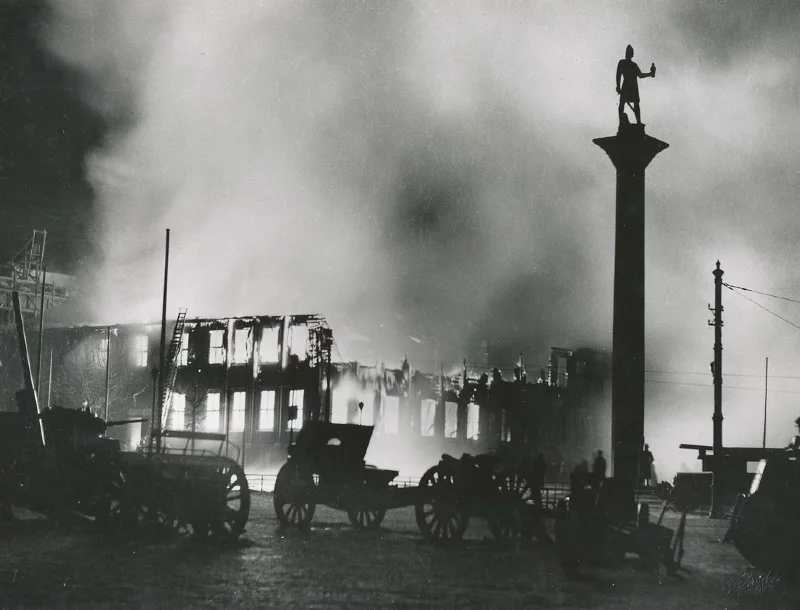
column 46, row 130
column 423, row 174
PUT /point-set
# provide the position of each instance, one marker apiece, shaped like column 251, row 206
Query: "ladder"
column 171, row 363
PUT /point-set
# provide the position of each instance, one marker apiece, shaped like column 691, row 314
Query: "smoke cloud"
column 422, row 173
column 370, row 161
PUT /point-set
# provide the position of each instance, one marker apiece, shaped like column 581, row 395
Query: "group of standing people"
column 600, row 466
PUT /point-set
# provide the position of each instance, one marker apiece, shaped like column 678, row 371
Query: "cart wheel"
column 366, row 517
column 294, row 496
column 440, row 510
column 516, row 512
column 518, row 484
column 237, row 504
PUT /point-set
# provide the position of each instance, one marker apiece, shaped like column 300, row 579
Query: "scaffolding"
column 23, row 274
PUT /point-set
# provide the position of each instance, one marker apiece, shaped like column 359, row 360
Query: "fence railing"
column 552, row 492
column 261, row 482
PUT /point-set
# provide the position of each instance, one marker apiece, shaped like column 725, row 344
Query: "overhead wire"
column 735, row 291
column 727, row 387
column 766, row 294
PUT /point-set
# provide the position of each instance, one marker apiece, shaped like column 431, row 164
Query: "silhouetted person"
column 629, row 72
column 599, row 468
column 646, row 466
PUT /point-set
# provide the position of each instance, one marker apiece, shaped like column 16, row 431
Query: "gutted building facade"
column 236, row 376
column 564, row 412
column 257, row 378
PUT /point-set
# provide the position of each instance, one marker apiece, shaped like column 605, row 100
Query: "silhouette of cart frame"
column 484, row 486
column 326, row 466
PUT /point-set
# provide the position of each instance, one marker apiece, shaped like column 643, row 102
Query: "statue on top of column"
column 629, row 73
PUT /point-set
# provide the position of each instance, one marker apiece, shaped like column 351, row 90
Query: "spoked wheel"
column 294, row 496
column 516, row 511
column 366, row 517
column 440, row 511
column 237, row 505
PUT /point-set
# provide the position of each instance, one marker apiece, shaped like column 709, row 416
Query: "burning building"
column 257, row 378
column 253, row 378
column 564, row 413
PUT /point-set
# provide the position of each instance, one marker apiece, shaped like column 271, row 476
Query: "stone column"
column 631, row 150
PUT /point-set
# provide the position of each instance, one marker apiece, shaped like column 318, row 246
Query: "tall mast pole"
column 162, row 352
column 766, row 385
column 716, row 496
column 108, row 370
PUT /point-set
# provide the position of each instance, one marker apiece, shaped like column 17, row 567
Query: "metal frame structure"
column 23, row 274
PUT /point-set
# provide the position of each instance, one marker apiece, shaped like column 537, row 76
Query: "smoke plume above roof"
column 422, row 173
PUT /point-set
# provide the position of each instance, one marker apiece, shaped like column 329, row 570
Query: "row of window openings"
column 428, row 419
column 212, row 419
column 390, row 418
column 365, row 416
column 242, row 346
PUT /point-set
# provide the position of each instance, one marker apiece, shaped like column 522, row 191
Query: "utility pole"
column 329, row 390
column 439, row 417
column 766, row 385
column 716, row 496
column 108, row 370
